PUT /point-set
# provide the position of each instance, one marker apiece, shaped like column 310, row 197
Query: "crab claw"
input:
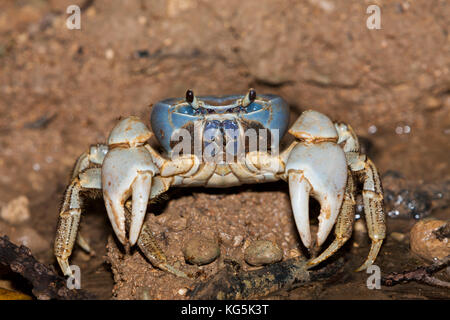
column 320, row 170
column 127, row 172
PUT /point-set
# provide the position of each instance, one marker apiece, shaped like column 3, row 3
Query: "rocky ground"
column 62, row 90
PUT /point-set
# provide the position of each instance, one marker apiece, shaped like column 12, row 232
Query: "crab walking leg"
column 69, row 216
column 373, row 211
column 95, row 155
column 84, row 244
column 372, row 190
column 150, row 248
column 344, row 223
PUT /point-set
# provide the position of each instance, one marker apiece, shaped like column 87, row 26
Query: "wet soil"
column 62, row 90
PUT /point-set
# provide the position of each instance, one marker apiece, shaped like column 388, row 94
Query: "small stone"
column 175, row 7
column 237, row 240
column 293, row 253
column 226, row 239
column 360, row 233
column 177, row 224
column 262, row 252
column 200, row 251
column 162, row 219
column 430, row 239
column 22, row 38
column 24, row 235
column 144, row 293
column 400, row 237
column 360, row 226
column 142, row 20
column 109, row 54
column 91, row 11
column 432, row 103
column 16, row 211
column 182, row 291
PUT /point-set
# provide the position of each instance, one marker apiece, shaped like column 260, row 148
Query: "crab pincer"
column 128, row 170
column 317, row 167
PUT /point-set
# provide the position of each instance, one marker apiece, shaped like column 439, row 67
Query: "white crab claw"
column 127, row 172
column 299, row 189
column 320, row 170
column 141, row 192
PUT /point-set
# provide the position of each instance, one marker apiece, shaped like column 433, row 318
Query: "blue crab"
column 221, row 142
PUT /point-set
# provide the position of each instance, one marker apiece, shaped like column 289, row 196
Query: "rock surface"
column 201, row 251
column 262, row 252
column 16, row 211
column 25, row 235
column 430, row 239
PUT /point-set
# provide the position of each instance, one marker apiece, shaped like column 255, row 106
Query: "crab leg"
column 70, row 212
column 95, row 155
column 372, row 190
column 344, row 223
column 373, row 211
column 149, row 246
column 69, row 216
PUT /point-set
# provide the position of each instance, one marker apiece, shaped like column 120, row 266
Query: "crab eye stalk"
column 189, row 96
column 249, row 97
column 191, row 99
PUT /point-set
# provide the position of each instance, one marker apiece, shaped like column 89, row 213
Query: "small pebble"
column 24, row 235
column 360, row 226
column 16, row 211
column 226, row 239
column 177, row 224
column 428, row 241
column 200, row 251
column 237, row 241
column 432, row 103
column 142, row 20
column 372, row 129
column 262, row 252
column 182, row 291
column 144, row 293
column 109, row 54
column 400, row 237
column 293, row 253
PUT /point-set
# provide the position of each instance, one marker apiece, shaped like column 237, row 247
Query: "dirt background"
column 62, row 90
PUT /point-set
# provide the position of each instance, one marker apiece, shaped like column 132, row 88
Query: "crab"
column 219, row 142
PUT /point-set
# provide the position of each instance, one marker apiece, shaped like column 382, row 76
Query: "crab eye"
column 252, row 95
column 192, row 100
column 189, row 96
column 249, row 98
